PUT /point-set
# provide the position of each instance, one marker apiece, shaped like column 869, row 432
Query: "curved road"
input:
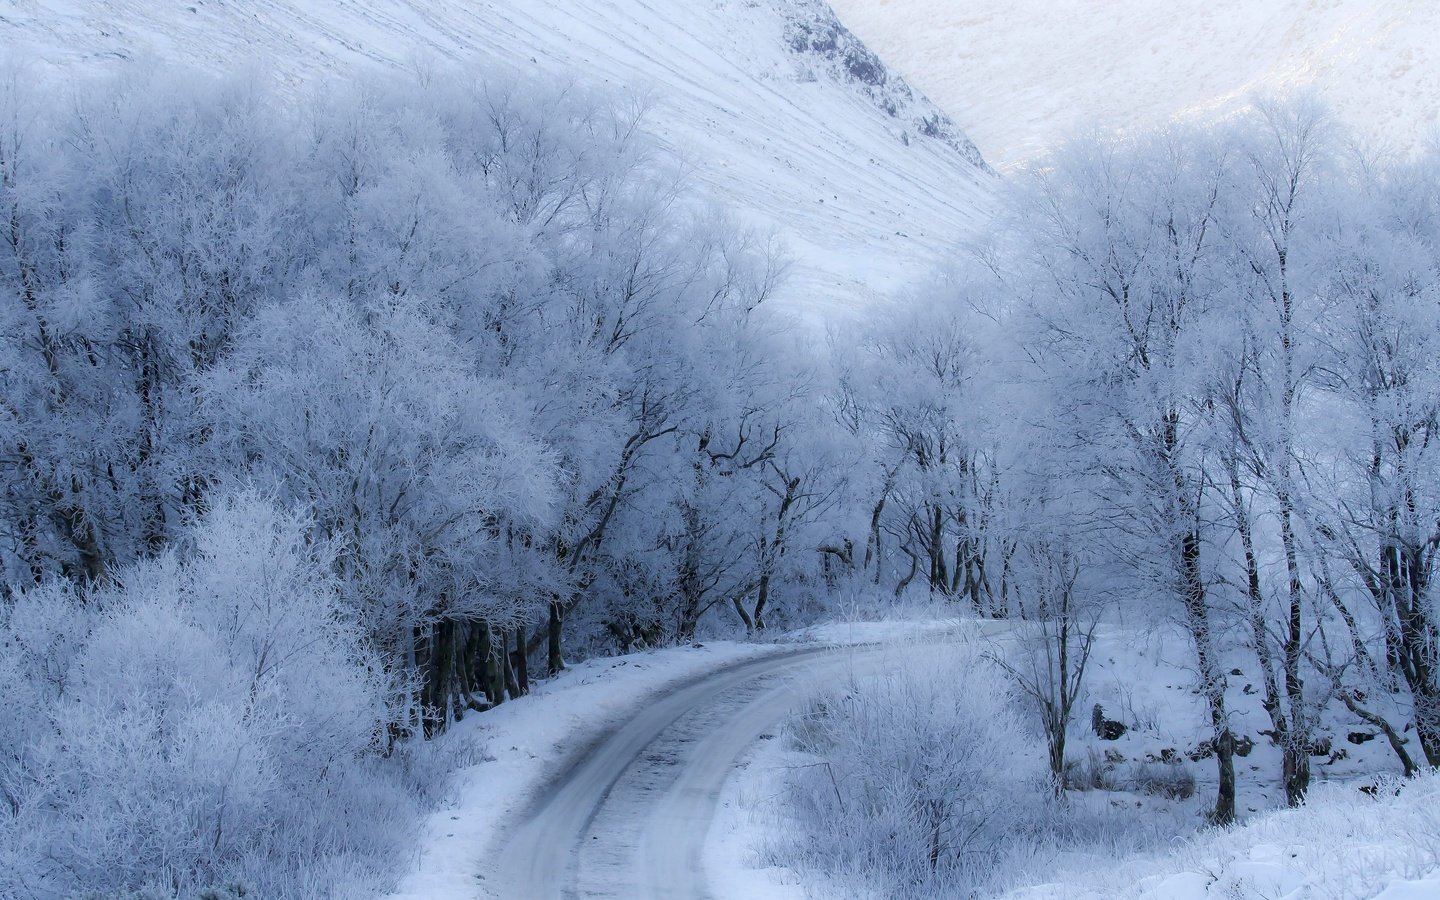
column 629, row 819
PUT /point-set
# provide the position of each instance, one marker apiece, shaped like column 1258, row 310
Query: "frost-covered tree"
column 198, row 722
column 919, row 392
column 413, row 467
column 1270, row 221
column 1374, row 498
column 477, row 325
column 142, row 229
column 1120, row 318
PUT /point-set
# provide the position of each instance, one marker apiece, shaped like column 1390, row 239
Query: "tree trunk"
column 1326, row 583
column 555, row 659
column 1056, row 741
column 1212, row 681
column 1296, row 761
column 743, row 613
column 483, row 661
column 492, row 665
column 78, row 528
column 507, row 663
column 910, row 576
column 1397, row 743
column 1254, row 593
column 520, row 664
column 435, row 672
column 939, row 579
column 761, row 598
column 872, row 540
column 1003, row 610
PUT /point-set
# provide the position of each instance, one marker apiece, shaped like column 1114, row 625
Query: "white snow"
column 862, row 207
column 522, row 745
column 865, row 212
column 1342, row 844
column 1424, row 888
column 734, row 856
column 888, row 631
column 1018, row 75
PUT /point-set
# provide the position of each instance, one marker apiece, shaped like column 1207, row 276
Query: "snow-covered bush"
column 923, row 783
column 197, row 724
column 1172, row 779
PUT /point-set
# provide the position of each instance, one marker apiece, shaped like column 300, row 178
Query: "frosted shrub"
column 195, row 725
column 1165, row 779
column 1173, row 780
column 922, row 783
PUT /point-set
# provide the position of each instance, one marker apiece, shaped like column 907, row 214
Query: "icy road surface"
column 630, row 819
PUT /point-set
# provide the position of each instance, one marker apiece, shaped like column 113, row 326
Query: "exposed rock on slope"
column 814, row 32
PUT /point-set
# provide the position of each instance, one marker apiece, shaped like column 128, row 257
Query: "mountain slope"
column 782, row 114
column 1020, row 75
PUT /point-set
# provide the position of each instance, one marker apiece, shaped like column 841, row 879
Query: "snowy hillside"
column 1018, row 76
column 776, row 107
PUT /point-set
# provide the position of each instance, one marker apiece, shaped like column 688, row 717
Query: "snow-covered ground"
column 1144, row 677
column 795, row 141
column 1019, row 75
column 1346, row 843
column 1343, row 844
column 516, row 750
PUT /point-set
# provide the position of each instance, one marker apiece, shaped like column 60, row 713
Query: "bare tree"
column 1056, row 643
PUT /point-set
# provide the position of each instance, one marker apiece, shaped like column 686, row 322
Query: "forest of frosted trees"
column 326, row 421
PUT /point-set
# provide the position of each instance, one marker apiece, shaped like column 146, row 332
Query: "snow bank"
column 1382, row 842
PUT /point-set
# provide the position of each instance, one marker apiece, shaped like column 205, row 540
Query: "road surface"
column 629, row 819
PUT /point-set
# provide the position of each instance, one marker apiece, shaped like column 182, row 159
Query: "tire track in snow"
column 629, row 819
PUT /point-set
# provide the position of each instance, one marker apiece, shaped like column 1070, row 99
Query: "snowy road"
column 629, row 820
